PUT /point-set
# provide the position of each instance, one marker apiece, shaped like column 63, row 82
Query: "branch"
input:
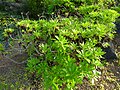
column 15, row 61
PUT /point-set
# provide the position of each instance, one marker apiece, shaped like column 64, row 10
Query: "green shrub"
column 64, row 50
column 6, row 22
column 63, row 7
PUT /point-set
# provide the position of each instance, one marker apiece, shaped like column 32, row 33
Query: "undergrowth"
column 65, row 49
